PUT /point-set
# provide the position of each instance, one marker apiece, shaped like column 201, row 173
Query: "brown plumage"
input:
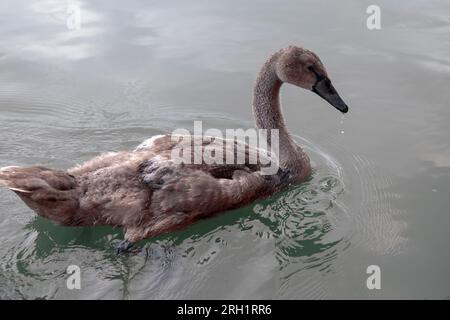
column 148, row 193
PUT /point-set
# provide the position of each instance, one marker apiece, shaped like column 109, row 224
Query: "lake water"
column 379, row 194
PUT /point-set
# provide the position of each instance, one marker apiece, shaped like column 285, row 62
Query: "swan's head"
column 304, row 69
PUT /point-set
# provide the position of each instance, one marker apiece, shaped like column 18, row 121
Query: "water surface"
column 379, row 192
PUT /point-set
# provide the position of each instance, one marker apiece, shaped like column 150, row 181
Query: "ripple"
column 378, row 225
column 379, row 221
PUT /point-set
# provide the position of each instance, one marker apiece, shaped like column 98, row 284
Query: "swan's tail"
column 8, row 179
column 51, row 193
column 35, row 178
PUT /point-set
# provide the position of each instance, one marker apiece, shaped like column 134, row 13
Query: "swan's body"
column 148, row 193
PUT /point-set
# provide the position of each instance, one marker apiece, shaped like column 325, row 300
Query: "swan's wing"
column 219, row 157
column 184, row 192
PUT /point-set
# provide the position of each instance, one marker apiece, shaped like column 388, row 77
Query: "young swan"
column 147, row 193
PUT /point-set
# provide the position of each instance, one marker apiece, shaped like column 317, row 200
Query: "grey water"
column 379, row 194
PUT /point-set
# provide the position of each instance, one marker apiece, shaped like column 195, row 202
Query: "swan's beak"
column 325, row 89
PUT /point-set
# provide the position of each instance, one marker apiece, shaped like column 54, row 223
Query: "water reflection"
column 47, row 35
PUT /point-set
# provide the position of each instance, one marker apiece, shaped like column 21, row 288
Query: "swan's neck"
column 268, row 115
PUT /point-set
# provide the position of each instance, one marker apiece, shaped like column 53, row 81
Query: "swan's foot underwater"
column 282, row 175
column 124, row 246
column 285, row 175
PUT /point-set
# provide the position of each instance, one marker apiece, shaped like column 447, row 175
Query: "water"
column 379, row 192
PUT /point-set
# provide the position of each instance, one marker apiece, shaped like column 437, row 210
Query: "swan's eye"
column 318, row 76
